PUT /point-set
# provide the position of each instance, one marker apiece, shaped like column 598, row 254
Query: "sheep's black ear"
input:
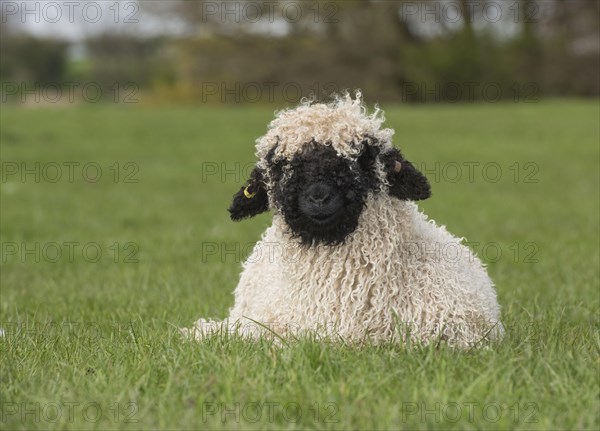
column 406, row 182
column 251, row 199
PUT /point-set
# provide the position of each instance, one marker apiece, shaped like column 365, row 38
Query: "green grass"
column 97, row 341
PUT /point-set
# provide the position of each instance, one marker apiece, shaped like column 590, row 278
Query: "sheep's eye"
column 366, row 159
column 276, row 169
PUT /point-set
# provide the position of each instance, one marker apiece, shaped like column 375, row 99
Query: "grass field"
column 97, row 274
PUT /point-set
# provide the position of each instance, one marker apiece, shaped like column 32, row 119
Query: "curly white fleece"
column 342, row 124
column 397, row 277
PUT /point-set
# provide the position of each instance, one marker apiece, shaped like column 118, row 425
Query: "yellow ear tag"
column 248, row 194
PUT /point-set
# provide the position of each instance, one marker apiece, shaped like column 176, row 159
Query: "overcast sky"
column 75, row 20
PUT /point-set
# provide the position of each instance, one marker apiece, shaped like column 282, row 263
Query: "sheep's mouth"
column 328, row 226
column 322, row 213
column 323, row 219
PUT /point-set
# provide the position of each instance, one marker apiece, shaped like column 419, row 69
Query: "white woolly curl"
column 342, row 124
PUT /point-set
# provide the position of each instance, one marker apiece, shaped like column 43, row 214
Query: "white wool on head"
column 343, row 124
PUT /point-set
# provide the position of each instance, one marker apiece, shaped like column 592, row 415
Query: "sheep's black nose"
column 319, row 193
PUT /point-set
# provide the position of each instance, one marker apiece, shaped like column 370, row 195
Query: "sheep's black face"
column 320, row 194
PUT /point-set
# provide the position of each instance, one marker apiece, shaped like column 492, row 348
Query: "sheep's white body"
column 398, row 276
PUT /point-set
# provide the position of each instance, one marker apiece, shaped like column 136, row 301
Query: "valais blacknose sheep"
column 349, row 255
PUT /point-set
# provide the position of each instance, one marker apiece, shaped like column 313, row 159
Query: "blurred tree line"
column 272, row 51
